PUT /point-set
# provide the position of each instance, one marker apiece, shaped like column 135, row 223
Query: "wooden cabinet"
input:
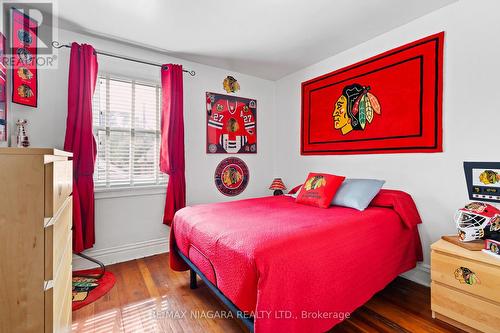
column 465, row 287
column 35, row 240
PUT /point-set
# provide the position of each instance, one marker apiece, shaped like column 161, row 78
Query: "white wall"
column 471, row 115
column 128, row 226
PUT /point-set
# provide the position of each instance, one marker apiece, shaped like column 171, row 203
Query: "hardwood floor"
column 149, row 297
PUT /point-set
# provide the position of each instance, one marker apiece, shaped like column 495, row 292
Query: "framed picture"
column 24, row 57
column 231, row 124
column 3, row 91
column 483, row 180
column 390, row 103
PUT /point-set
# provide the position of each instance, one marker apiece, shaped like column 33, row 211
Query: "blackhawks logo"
column 82, row 287
column 355, row 108
column 466, row 276
column 315, row 183
column 231, row 176
column 230, row 84
column 488, row 177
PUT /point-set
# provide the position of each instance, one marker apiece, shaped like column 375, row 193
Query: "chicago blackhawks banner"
column 24, row 57
column 390, row 103
column 3, row 91
column 231, row 124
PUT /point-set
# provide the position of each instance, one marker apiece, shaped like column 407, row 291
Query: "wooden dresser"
column 35, row 240
column 465, row 287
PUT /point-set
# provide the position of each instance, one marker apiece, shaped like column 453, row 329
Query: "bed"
column 283, row 266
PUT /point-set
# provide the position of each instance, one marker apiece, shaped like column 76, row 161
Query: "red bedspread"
column 298, row 268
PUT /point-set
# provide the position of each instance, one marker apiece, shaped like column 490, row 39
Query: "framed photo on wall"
column 231, row 124
column 390, row 103
column 24, row 38
column 483, row 180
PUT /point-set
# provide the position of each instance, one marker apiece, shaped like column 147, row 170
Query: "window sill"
column 119, row 192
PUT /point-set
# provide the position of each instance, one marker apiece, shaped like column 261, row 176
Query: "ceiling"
column 264, row 38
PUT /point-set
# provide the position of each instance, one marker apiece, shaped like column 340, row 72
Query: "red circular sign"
column 231, row 176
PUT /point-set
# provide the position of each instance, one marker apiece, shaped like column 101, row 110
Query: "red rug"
column 87, row 290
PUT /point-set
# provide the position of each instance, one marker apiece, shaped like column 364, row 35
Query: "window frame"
column 108, row 188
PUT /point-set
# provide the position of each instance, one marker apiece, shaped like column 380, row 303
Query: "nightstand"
column 465, row 288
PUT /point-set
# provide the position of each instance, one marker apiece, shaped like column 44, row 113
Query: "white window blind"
column 126, row 122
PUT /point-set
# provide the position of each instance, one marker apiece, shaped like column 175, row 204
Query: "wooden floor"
column 149, row 297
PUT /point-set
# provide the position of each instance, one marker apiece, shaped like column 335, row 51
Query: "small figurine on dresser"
column 22, row 138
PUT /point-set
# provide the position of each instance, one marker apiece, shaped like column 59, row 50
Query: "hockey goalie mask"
column 473, row 219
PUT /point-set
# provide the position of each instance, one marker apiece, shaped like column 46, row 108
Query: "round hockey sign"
column 231, row 176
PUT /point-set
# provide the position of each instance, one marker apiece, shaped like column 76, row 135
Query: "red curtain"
column 172, row 140
column 80, row 141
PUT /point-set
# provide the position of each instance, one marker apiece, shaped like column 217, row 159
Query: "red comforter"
column 298, row 268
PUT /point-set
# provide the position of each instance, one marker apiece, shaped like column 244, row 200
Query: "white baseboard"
column 113, row 255
column 420, row 274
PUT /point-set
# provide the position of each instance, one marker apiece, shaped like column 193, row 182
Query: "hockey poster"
column 231, row 124
column 3, row 91
column 24, row 58
column 390, row 103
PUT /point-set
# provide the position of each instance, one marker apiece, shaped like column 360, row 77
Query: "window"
column 126, row 122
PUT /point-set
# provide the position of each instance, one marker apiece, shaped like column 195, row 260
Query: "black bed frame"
column 193, row 284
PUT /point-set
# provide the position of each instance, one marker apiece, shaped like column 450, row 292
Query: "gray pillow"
column 357, row 193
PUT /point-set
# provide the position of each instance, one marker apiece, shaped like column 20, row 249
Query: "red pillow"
column 295, row 189
column 319, row 189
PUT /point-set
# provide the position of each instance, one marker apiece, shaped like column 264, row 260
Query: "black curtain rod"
column 58, row 45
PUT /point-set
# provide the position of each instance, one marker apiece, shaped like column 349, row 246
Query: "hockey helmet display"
column 473, row 219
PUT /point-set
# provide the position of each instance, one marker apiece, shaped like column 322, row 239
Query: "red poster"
column 3, row 91
column 390, row 103
column 24, row 56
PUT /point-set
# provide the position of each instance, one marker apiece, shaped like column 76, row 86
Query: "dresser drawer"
column 471, row 276
column 62, row 294
column 58, row 185
column 62, row 280
column 57, row 236
column 58, row 298
column 469, row 310
column 62, row 322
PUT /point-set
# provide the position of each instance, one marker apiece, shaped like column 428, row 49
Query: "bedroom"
column 267, row 58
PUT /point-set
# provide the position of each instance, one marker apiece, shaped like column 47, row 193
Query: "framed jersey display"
column 390, row 103
column 231, row 124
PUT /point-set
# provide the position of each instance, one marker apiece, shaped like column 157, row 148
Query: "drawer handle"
column 48, row 285
column 466, row 276
column 59, row 189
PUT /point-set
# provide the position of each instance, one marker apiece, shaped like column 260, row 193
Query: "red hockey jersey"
column 231, row 124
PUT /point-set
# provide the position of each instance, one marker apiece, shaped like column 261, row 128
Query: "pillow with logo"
column 319, row 189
